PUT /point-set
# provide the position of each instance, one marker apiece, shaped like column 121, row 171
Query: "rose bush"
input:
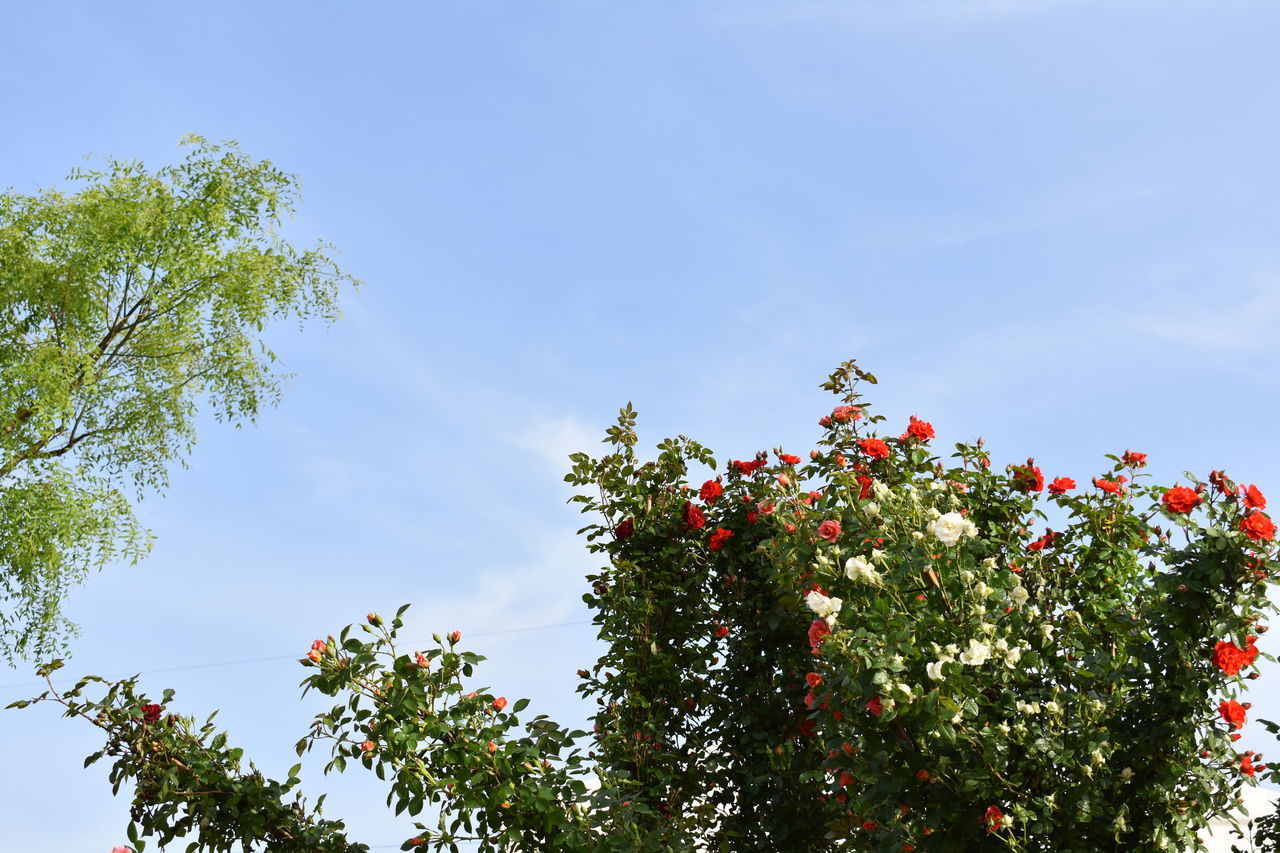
column 879, row 649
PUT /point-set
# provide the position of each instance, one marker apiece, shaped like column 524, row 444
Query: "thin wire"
column 243, row 661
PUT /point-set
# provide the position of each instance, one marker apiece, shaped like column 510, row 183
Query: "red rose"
column 1044, row 541
column 874, row 447
column 846, row 778
column 864, row 487
column 368, row 746
column 818, row 631
column 499, row 703
column 868, row 825
column 1258, row 527
column 813, row 679
column 844, row 414
column 1221, row 483
column 918, row 429
column 1109, row 485
column 747, row 468
column 1247, row 767
column 1134, row 459
column 788, row 459
column 1061, row 485
column 875, row 706
column 829, row 530
column 1028, row 478
column 994, row 818
column 710, row 490
column 1232, row 712
column 693, row 516
column 1253, row 498
column 151, row 713
column 1180, row 499
column 1230, row 658
column 625, row 529
column 717, row 539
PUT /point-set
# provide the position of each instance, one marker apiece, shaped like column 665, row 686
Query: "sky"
column 1048, row 223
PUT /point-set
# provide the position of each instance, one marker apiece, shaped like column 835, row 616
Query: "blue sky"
column 1050, row 223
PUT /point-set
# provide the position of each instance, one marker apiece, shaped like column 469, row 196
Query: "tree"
column 871, row 650
column 122, row 306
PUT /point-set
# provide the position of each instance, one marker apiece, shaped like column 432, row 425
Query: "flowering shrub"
column 870, row 649
column 913, row 660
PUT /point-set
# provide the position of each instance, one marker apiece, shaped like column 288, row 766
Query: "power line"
column 243, row 661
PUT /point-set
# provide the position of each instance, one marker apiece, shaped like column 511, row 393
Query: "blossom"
column 1018, row 595
column 824, row 606
column 829, row 530
column 1230, row 658
column 813, row 679
column 1112, row 486
column 1258, row 527
column 918, row 429
column 818, row 630
column 977, row 654
column 844, row 414
column 788, row 459
column 151, row 713
column 875, row 706
column 746, row 468
column 455, row 638
column 993, row 818
column 718, row 538
column 368, row 746
column 1221, row 483
column 1027, row 478
column 422, row 661
column 121, row 850
column 874, row 447
column 693, row 516
column 860, row 569
column 1180, row 499
column 1247, row 767
column 711, row 490
column 1253, row 498
column 1134, row 459
column 625, row 529
column 499, row 703
column 1044, row 541
column 950, row 527
column 1061, row 485
column 1232, row 712
column 934, row 670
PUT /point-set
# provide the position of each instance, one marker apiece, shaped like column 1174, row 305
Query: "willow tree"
column 124, row 306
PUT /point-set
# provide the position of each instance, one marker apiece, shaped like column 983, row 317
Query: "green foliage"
column 187, row 780
column 123, row 305
column 871, row 650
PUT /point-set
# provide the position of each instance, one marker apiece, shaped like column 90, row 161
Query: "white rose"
column 824, row 606
column 982, row 589
column 1018, row 595
column 934, row 670
column 860, row 569
column 1046, row 630
column 1012, row 657
column 976, row 655
column 871, row 508
column 949, row 528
